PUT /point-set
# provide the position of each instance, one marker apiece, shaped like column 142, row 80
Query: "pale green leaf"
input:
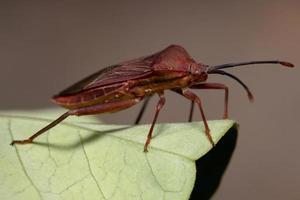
column 83, row 159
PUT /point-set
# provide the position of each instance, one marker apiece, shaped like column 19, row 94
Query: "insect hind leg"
column 106, row 107
column 46, row 128
column 90, row 110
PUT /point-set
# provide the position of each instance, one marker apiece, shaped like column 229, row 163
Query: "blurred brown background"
column 46, row 46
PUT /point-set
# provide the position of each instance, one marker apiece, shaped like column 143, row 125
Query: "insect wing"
column 110, row 75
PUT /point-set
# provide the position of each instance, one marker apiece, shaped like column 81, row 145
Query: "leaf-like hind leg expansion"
column 159, row 106
column 193, row 97
column 96, row 109
column 216, row 86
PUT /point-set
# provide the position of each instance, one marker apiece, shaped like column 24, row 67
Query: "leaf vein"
column 89, row 166
column 21, row 162
column 152, row 172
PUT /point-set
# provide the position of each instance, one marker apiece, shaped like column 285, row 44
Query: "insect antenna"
column 229, row 65
column 250, row 95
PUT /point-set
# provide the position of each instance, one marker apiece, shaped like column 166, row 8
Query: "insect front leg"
column 90, row 110
column 193, row 97
column 159, row 106
column 215, row 86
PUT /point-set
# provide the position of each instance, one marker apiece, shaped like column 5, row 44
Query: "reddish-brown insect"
column 123, row 85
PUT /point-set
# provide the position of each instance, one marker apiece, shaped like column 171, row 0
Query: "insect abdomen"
column 89, row 97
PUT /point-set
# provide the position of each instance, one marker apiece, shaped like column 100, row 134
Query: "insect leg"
column 191, row 111
column 138, row 119
column 159, row 105
column 216, row 86
column 193, row 97
column 49, row 126
column 96, row 109
column 106, row 107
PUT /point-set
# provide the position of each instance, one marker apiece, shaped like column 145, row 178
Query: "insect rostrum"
column 123, row 85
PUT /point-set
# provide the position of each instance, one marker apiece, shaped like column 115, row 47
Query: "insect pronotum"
column 123, row 85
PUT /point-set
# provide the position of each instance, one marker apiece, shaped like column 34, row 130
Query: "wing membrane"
column 113, row 74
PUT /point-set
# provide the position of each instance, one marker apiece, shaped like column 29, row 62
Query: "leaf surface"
column 83, row 159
